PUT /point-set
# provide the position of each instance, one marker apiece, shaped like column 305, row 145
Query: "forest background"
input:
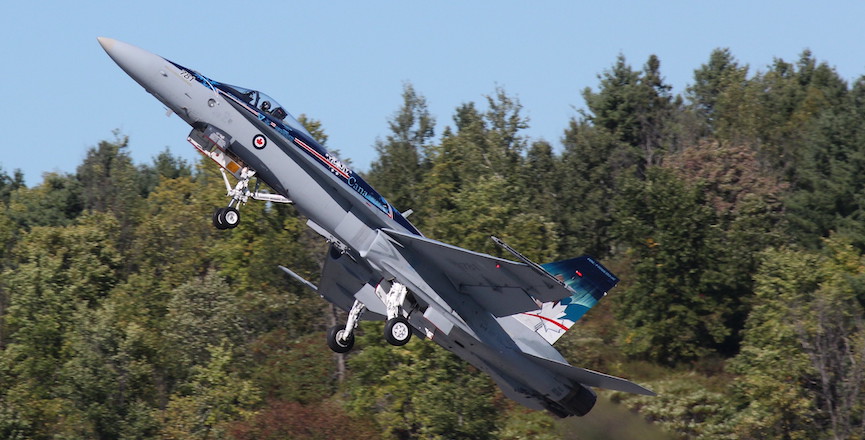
column 733, row 213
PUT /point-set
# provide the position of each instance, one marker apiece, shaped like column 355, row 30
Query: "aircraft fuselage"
column 257, row 134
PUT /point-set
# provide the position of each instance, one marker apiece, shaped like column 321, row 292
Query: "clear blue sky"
column 345, row 63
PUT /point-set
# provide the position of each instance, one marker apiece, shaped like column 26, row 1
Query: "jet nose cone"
column 106, row 43
column 120, row 51
column 138, row 63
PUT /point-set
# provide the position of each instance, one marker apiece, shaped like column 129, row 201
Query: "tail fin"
column 589, row 280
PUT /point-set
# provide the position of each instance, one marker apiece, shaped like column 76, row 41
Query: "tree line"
column 732, row 213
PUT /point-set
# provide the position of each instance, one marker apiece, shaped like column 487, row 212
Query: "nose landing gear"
column 229, row 217
column 226, row 218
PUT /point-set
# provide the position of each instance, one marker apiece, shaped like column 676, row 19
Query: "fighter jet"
column 499, row 315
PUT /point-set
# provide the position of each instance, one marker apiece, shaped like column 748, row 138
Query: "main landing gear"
column 397, row 330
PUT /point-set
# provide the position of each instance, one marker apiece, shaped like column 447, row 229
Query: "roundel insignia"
column 259, row 141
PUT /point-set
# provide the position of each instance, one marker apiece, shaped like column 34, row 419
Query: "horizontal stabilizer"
column 591, row 378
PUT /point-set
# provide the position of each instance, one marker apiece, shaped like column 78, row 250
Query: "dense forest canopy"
column 733, row 213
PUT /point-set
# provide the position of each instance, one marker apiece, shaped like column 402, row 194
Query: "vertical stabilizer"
column 589, row 280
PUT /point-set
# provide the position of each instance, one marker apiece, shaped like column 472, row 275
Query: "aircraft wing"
column 503, row 287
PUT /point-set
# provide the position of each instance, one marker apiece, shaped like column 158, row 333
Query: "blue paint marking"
column 587, row 278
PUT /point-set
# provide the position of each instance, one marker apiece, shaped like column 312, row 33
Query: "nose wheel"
column 226, row 218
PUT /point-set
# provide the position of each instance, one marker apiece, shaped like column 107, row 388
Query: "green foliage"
column 9, row 184
column 674, row 310
column 291, row 420
column 402, row 158
column 57, row 201
column 201, row 314
column 724, row 100
column 523, row 424
column 685, row 406
column 108, row 374
column 420, row 391
column 635, row 107
column 248, row 259
column 293, row 370
column 746, row 198
column 216, row 395
column 802, row 354
column 55, row 270
column 165, row 166
column 591, row 164
column 111, row 183
column 125, row 315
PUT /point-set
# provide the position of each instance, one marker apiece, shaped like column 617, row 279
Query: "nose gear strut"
column 229, row 217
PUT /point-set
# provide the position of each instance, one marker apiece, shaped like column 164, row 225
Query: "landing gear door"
column 343, row 281
column 214, row 143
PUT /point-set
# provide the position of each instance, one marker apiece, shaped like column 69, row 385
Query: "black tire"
column 397, row 331
column 217, row 218
column 335, row 253
column 333, row 336
column 229, row 218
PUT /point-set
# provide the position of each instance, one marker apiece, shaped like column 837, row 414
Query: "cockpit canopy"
column 256, row 99
column 263, row 103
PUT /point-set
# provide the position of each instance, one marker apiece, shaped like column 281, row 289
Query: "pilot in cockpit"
column 277, row 113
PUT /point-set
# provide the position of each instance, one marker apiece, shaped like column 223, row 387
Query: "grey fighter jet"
column 499, row 315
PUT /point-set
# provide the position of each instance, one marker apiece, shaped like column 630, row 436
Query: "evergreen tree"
column 675, row 309
column 724, row 100
column 826, row 175
column 635, row 107
column 483, row 159
column 746, row 199
column 402, row 157
column 57, row 201
column 111, row 183
column 165, row 166
column 9, row 184
column 591, row 164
